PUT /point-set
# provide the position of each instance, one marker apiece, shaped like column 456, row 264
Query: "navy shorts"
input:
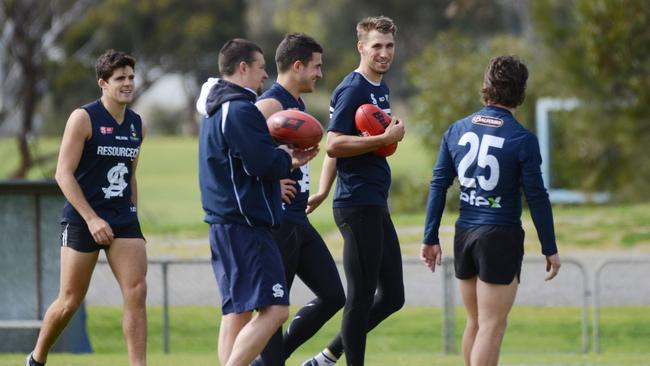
column 79, row 238
column 248, row 268
column 492, row 252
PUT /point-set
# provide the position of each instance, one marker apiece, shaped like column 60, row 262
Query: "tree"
column 593, row 50
column 448, row 75
column 31, row 29
column 604, row 55
column 48, row 47
column 165, row 36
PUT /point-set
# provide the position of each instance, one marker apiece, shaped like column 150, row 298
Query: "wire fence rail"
column 575, row 289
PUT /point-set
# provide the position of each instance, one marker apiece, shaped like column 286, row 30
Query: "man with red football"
column 239, row 175
column 304, row 253
column 371, row 254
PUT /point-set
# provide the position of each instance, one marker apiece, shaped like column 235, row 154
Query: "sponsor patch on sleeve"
column 487, row 121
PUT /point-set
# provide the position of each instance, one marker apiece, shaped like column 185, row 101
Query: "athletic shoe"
column 319, row 360
column 311, row 362
column 31, row 362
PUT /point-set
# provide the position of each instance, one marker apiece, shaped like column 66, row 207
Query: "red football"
column 295, row 128
column 372, row 121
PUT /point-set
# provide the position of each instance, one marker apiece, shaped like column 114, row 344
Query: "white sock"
column 325, row 358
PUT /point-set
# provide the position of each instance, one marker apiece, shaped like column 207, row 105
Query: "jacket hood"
column 215, row 92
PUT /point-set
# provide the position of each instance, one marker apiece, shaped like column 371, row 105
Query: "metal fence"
column 638, row 284
column 180, row 277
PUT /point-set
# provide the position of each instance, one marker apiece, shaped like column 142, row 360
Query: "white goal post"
column 543, row 109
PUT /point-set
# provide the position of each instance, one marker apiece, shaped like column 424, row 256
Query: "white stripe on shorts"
column 64, row 236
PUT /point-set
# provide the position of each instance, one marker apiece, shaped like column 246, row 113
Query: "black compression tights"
column 373, row 269
column 305, row 254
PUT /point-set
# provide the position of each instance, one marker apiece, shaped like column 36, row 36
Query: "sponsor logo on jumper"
column 473, row 200
column 126, row 152
column 121, row 138
column 487, row 121
column 105, row 130
column 277, row 290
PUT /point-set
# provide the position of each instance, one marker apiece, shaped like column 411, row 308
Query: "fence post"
column 585, row 308
column 164, row 265
column 596, row 310
column 448, row 324
column 585, row 303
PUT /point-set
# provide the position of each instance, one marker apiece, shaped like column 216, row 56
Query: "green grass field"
column 536, row 336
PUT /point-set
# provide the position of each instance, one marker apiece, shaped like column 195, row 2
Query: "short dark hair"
column 235, row 51
column 110, row 61
column 381, row 24
column 505, row 81
column 295, row 47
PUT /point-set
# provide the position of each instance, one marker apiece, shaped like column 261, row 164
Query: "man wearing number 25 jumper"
column 493, row 156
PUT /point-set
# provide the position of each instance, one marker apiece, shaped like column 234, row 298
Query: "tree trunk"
column 29, row 97
column 189, row 123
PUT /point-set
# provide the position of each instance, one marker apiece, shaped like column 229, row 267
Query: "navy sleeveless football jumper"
column 295, row 211
column 105, row 168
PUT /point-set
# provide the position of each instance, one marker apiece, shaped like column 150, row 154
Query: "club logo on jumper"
column 487, row 121
column 134, row 135
column 372, row 97
column 304, row 181
column 116, row 181
column 381, row 99
column 105, row 130
column 277, row 290
column 478, row 201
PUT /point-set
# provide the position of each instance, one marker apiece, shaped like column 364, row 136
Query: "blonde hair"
column 381, row 24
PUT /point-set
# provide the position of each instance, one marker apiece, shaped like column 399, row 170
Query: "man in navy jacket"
column 239, row 174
